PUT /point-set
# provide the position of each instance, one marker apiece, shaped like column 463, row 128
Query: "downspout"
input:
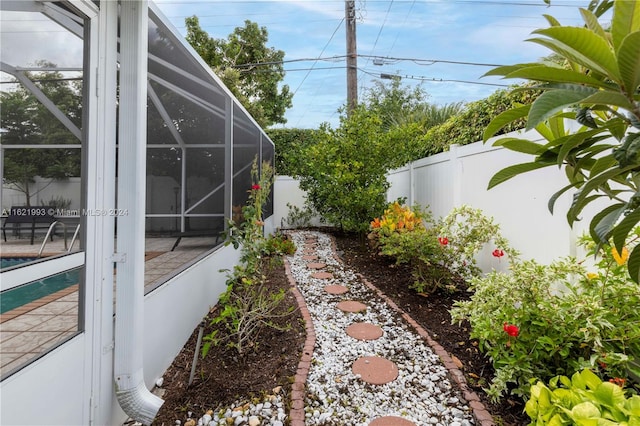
column 131, row 391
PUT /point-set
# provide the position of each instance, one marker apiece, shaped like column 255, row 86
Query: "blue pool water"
column 7, row 262
column 21, row 295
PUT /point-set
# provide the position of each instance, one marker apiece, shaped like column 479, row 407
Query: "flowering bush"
column 462, row 234
column 402, row 235
column 398, row 218
column 541, row 321
column 440, row 253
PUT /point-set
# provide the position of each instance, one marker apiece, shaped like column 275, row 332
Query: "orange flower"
column 375, row 223
column 620, row 259
column 618, row 381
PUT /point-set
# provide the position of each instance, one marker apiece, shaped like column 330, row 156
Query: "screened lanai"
column 197, row 138
column 200, row 148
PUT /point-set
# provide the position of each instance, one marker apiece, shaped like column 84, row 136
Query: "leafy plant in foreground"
column 597, row 89
column 582, row 400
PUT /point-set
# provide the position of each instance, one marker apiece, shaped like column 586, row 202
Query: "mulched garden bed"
column 224, row 377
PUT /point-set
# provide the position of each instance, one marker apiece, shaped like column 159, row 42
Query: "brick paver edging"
column 296, row 413
column 480, row 412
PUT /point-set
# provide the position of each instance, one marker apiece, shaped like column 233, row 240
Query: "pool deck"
column 29, row 331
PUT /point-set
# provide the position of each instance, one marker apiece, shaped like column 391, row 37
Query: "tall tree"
column 26, row 121
column 235, row 60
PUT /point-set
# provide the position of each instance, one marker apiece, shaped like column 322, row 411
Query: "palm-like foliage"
column 427, row 115
column 597, row 87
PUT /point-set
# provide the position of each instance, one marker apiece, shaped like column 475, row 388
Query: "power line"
column 391, row 76
column 389, row 59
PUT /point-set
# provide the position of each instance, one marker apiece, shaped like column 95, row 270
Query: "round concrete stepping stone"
column 317, row 265
column 336, row 289
column 375, row 370
column 364, row 331
column 322, row 275
column 352, row 306
column 309, row 257
column 391, row 421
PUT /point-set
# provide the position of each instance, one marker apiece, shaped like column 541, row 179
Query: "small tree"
column 344, row 173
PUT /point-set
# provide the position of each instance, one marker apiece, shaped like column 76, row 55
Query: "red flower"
column 255, row 187
column 511, row 330
column 443, row 241
column 497, row 253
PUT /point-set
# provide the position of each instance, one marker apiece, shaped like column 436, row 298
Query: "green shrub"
column 279, row 245
column 440, row 253
column 582, row 400
column 468, row 126
column 566, row 319
column 462, row 234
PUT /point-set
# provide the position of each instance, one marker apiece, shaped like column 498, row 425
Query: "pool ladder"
column 64, row 227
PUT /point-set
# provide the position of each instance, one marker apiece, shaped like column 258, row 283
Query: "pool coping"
column 16, row 312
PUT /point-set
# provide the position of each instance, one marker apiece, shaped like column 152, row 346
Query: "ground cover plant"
column 584, row 399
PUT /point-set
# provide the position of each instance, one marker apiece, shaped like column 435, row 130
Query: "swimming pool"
column 26, row 293
column 7, row 262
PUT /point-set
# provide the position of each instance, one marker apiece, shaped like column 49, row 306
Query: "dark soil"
column 223, row 377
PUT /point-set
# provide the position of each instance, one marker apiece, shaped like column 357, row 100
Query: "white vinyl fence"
column 461, row 176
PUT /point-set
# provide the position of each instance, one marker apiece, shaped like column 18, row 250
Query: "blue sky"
column 476, row 31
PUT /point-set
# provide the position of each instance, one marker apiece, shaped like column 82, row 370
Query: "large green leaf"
column 520, row 145
column 511, row 171
column 551, row 20
column 591, row 380
column 572, row 142
column 584, row 46
column 602, row 164
column 559, row 75
column 624, row 227
column 633, row 264
column 592, row 22
column 549, row 103
column 506, row 69
column 582, row 197
column 603, row 223
column 505, row 118
column 626, row 20
column 552, row 201
column 629, row 63
column 609, row 98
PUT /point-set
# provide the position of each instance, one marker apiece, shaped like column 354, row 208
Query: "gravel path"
column 422, row 392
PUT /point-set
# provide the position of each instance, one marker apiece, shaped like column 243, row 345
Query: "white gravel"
column 422, row 393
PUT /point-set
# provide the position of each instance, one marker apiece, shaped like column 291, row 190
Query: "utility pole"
column 352, row 55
